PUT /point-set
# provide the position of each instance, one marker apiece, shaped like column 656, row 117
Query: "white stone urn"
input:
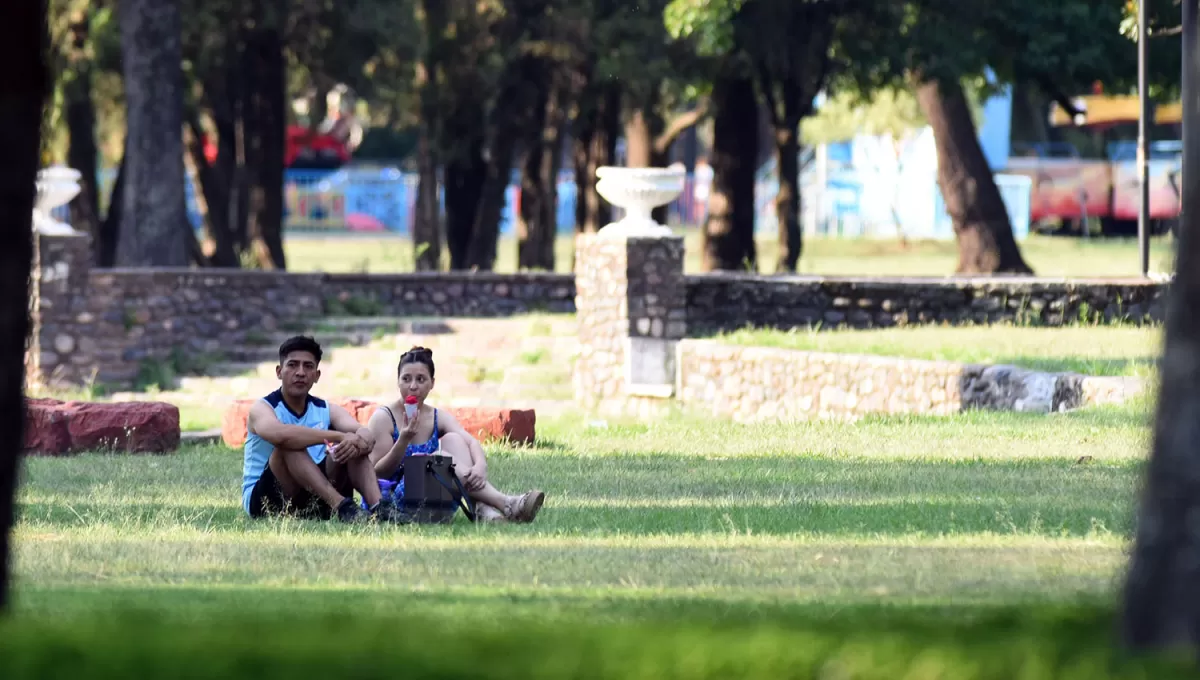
column 639, row 191
column 56, row 186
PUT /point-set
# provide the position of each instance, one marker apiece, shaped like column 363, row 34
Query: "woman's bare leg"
column 454, row 446
column 523, row 508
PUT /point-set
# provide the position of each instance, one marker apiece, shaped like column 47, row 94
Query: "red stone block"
column 233, row 423
column 515, row 425
column 486, row 424
column 135, row 426
column 57, row 428
column 46, row 432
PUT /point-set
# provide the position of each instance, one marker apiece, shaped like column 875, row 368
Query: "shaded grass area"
column 1048, row 256
column 1089, row 350
column 439, row 637
column 515, row 637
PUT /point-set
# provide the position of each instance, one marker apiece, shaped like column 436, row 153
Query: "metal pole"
column 1143, row 145
column 1190, row 197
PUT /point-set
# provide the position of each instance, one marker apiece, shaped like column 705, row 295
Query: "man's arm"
column 264, row 423
column 341, row 420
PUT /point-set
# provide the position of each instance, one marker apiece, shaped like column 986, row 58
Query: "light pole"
column 1143, row 143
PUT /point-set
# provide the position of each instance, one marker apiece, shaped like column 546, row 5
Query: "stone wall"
column 751, row 384
column 448, row 294
column 105, row 326
column 630, row 300
column 726, row 302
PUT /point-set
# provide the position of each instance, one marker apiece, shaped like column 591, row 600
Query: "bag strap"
column 470, row 513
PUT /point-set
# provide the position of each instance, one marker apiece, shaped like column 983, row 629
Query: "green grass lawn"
column 1089, row 350
column 964, row 547
column 1048, row 256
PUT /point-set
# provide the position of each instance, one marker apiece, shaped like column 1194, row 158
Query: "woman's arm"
column 386, row 455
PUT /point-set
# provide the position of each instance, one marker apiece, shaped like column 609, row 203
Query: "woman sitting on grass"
column 433, row 431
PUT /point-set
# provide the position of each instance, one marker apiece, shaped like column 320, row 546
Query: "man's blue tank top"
column 258, row 450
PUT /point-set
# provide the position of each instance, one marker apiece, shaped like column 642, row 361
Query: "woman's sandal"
column 524, row 508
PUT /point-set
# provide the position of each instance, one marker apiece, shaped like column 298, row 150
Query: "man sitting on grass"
column 301, row 450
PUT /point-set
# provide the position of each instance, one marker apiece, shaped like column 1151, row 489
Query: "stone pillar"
column 58, row 340
column 631, row 306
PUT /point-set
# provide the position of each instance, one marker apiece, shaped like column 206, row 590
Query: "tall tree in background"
column 23, row 46
column 73, row 37
column 427, row 224
column 791, row 44
column 154, row 228
column 981, row 223
column 728, row 231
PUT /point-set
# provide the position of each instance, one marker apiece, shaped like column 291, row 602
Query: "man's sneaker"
column 348, row 511
column 524, row 508
column 386, row 511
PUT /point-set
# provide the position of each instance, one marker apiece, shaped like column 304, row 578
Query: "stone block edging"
column 752, row 384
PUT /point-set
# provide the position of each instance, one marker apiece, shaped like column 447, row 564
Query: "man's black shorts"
column 266, row 498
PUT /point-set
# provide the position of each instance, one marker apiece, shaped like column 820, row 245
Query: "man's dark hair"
column 299, row 343
column 416, row 355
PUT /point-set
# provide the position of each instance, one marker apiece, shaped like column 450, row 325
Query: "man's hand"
column 352, row 446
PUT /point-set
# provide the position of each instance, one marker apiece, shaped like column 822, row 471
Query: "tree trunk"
column 787, row 202
column 213, row 188
column 1161, row 599
column 464, row 180
column 154, row 213
column 596, row 147
column 537, row 223
column 509, row 120
column 266, row 123
column 427, row 232
column 981, row 224
column 728, row 237
column 110, row 228
column 81, row 128
column 427, row 228
column 23, row 91
column 642, row 131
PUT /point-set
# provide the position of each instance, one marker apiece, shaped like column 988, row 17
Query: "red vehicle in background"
column 1070, row 191
column 304, row 149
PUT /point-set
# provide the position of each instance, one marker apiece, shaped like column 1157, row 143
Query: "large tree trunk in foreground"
column 981, row 225
column 23, row 45
column 728, row 238
column 1162, row 588
column 154, row 213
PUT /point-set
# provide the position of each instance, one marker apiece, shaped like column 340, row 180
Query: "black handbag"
column 433, row 493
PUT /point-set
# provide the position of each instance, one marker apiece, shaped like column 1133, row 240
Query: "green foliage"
column 1165, row 49
column 891, row 111
column 708, row 22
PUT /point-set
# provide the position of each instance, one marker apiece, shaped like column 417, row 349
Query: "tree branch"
column 1164, row 32
column 681, row 123
column 1057, row 94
